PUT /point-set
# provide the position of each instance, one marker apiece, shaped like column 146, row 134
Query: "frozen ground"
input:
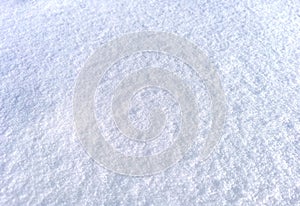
column 256, row 50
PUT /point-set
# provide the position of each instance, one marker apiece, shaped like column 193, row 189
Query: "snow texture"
column 255, row 47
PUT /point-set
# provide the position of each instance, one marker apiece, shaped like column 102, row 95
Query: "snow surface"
column 255, row 47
